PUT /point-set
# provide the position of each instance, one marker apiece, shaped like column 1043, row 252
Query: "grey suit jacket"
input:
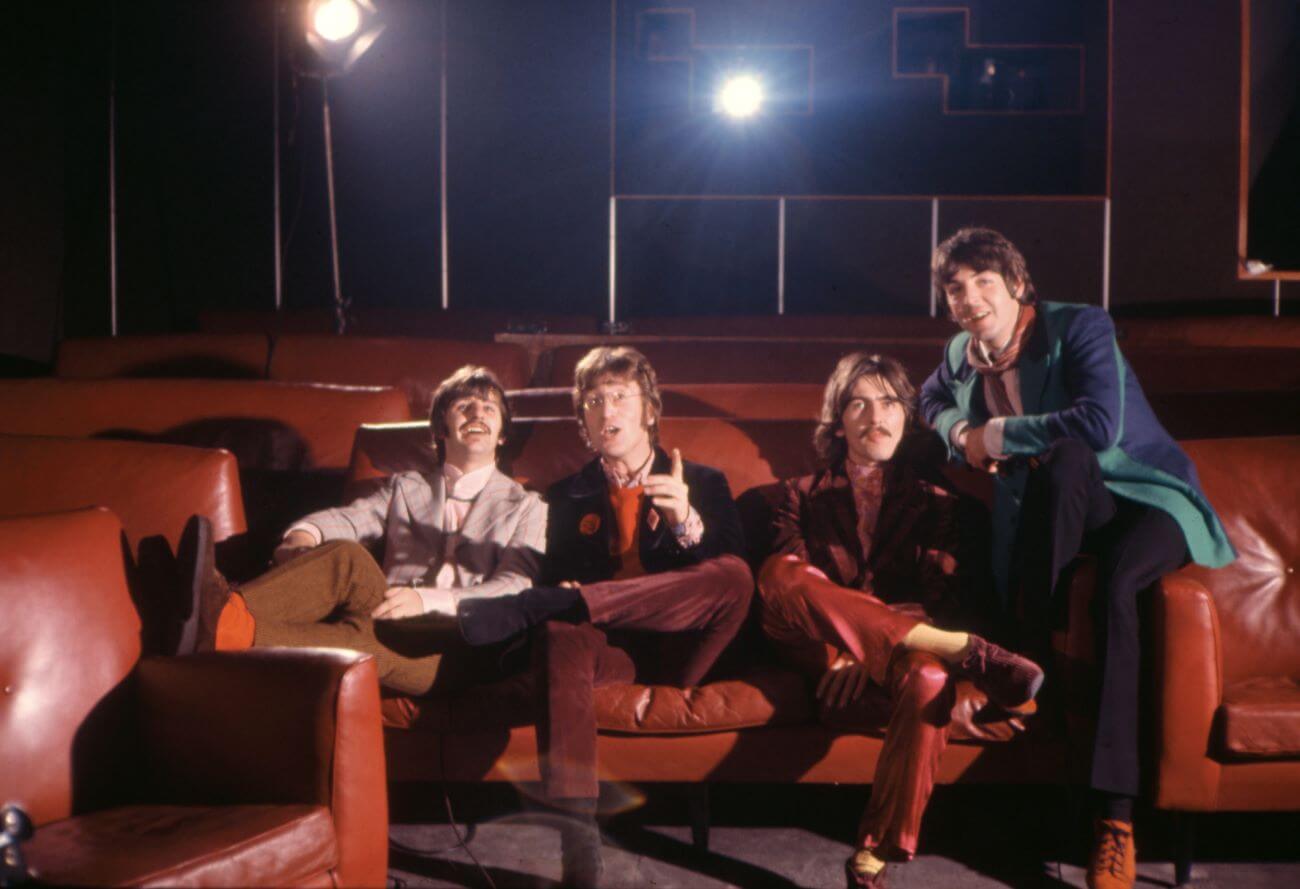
column 498, row 551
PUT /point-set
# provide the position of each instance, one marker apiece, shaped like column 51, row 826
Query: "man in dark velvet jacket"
column 646, row 556
column 865, row 573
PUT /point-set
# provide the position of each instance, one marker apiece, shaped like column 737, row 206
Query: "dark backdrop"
column 532, row 91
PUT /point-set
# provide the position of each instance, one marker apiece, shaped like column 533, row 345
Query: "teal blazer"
column 1075, row 383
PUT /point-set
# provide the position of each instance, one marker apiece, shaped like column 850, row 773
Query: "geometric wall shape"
column 987, row 78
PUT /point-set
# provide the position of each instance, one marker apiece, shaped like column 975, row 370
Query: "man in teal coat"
column 1040, row 395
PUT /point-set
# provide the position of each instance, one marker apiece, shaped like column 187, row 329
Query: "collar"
column 635, row 479
column 466, row 485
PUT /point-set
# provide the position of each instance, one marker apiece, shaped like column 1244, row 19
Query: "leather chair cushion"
column 186, row 846
column 1261, row 718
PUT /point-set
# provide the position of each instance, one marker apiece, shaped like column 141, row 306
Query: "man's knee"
column 733, row 583
column 1069, row 461
column 919, row 679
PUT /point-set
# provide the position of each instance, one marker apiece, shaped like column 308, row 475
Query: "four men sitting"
column 634, row 568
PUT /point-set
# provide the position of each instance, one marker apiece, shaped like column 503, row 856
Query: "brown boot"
column 1113, row 864
column 203, row 591
column 1008, row 679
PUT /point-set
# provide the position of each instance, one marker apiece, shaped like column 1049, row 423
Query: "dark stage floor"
column 781, row 836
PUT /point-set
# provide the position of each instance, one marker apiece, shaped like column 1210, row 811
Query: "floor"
column 782, row 836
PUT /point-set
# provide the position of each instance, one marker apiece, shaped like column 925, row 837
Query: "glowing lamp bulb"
column 741, row 96
column 336, row 20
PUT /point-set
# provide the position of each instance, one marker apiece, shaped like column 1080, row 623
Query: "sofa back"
column 173, row 355
column 754, row 401
column 265, row 424
column 542, row 451
column 69, row 638
column 414, row 366
column 752, row 361
column 1236, row 331
column 1250, row 483
column 152, row 488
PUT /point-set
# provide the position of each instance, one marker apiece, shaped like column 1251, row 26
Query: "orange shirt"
column 626, row 543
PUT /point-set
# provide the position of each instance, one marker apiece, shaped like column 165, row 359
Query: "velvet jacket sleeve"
column 1092, row 371
column 787, row 524
column 711, row 496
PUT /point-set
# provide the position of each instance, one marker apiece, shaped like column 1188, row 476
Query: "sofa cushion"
column 186, row 846
column 1260, row 717
column 765, row 696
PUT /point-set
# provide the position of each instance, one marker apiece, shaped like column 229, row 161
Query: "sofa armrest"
column 272, row 726
column 1188, row 682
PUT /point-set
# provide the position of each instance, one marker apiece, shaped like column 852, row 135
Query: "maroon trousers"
column 801, row 607
column 706, row 604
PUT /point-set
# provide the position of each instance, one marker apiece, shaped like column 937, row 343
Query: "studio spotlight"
column 741, row 96
column 336, row 20
column 340, row 31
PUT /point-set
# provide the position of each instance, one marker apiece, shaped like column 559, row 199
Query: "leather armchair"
column 1227, row 644
column 262, row 768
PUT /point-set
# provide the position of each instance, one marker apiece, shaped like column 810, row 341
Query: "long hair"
column 832, row 448
column 618, row 361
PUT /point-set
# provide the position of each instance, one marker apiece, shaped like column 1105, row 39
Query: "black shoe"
column 581, row 862
column 488, row 621
column 203, row 591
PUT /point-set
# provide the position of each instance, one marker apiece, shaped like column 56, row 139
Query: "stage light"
column 741, row 96
column 339, row 32
column 336, row 20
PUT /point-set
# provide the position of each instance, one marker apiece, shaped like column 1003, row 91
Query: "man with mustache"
column 648, row 584
column 463, row 532
column 1039, row 395
column 864, row 565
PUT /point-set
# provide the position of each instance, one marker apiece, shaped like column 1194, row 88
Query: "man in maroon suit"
column 864, row 566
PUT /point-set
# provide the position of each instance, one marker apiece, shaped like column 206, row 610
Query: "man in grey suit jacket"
column 464, row 531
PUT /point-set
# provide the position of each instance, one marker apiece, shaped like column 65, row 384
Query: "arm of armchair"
column 272, row 726
column 1188, row 683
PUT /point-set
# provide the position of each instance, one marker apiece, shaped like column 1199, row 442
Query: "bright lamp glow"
column 740, row 96
column 336, row 20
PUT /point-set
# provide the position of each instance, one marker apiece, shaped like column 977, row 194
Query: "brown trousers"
column 801, row 607
column 702, row 606
column 323, row 598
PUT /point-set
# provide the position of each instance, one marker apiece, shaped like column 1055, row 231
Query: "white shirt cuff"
column 954, row 435
column 309, row 528
column 993, row 437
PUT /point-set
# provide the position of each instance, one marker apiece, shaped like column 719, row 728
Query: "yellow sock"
column 941, row 643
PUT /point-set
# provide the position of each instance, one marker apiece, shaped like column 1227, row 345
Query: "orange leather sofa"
column 257, row 769
column 756, row 722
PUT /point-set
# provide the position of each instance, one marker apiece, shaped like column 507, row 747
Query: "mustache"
column 881, row 429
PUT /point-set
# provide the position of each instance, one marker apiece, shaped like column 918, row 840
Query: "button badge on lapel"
column 589, row 524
